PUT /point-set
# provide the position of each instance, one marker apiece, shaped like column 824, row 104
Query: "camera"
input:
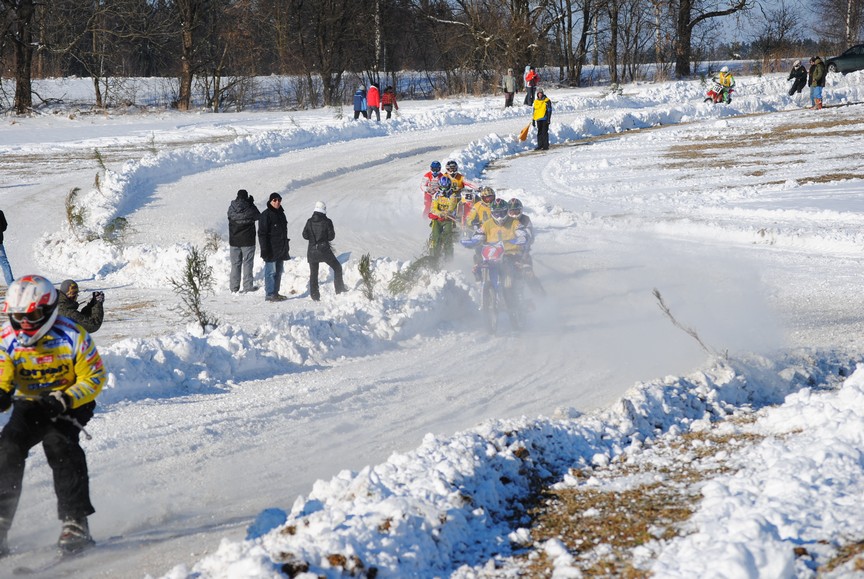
column 97, row 297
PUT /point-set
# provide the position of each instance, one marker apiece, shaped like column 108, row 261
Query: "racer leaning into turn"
column 442, row 215
column 52, row 367
column 459, row 186
column 725, row 79
column 429, row 185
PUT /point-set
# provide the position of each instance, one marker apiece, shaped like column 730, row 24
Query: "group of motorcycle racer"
column 482, row 218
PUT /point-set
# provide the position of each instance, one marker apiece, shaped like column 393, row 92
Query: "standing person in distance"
column 52, row 366
column 508, row 85
column 91, row 315
column 816, row 81
column 388, row 100
column 360, row 103
column 541, row 118
column 320, row 233
column 798, row 75
column 532, row 79
column 4, row 261
column 274, row 242
column 373, row 101
column 242, row 216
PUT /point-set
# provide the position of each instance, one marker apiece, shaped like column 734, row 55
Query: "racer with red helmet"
column 51, row 366
column 429, row 185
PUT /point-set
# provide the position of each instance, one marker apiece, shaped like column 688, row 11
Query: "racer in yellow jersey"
column 52, row 367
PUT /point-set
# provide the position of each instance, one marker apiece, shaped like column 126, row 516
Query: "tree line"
column 220, row 44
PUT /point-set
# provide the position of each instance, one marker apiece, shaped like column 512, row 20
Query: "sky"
column 396, row 432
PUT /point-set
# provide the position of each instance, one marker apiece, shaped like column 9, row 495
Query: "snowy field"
column 337, row 437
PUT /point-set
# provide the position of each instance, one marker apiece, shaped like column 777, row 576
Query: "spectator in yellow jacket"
column 541, row 118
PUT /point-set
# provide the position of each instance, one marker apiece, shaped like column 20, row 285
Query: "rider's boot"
column 75, row 535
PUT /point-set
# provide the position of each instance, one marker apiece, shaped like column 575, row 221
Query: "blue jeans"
column 815, row 93
column 4, row 264
column 273, row 276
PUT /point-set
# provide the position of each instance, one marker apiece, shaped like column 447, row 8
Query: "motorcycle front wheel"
column 489, row 307
column 709, row 100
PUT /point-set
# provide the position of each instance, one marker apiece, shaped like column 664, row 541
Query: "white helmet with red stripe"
column 31, row 303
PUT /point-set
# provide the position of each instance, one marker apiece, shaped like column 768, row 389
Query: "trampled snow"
column 394, row 433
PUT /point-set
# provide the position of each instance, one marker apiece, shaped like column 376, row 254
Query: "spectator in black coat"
column 319, row 231
column 242, row 215
column 273, row 238
column 90, row 316
column 799, row 74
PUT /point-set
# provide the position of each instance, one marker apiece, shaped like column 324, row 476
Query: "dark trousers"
column 508, row 99
column 543, row 135
column 334, row 264
column 375, row 110
column 388, row 109
column 358, row 113
column 797, row 86
column 28, row 426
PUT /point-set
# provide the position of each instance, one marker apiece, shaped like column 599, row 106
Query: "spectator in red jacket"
column 532, row 79
column 388, row 100
column 373, row 101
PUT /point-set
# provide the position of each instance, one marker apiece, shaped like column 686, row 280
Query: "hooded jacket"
column 242, row 215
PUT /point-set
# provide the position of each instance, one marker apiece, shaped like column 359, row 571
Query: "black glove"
column 55, row 403
column 266, row 257
column 5, row 400
column 97, row 297
column 533, row 123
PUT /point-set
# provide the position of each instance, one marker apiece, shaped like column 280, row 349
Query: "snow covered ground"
column 397, row 435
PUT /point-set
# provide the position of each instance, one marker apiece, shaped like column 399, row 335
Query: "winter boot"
column 75, row 535
column 818, row 104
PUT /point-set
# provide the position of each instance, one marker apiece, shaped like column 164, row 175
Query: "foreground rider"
column 429, row 185
column 442, row 214
column 501, row 228
column 51, row 365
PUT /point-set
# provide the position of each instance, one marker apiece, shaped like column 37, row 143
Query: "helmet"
column 445, row 185
column 514, row 208
column 31, row 302
column 452, row 167
column 499, row 210
column 487, row 194
column 435, row 166
column 724, row 69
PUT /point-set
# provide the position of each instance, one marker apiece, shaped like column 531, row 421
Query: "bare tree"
column 840, row 20
column 691, row 13
column 18, row 31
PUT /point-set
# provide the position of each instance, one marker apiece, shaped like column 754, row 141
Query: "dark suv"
column 849, row 61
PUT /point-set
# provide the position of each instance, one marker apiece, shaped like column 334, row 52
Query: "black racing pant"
column 543, row 135
column 330, row 260
column 28, row 426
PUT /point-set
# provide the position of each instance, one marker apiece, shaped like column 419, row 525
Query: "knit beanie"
column 274, row 196
column 320, row 207
column 242, row 194
column 68, row 284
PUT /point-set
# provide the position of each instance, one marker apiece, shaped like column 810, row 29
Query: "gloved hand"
column 5, row 400
column 266, row 257
column 55, row 403
column 98, row 297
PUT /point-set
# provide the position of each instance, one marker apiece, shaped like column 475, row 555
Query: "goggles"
column 31, row 317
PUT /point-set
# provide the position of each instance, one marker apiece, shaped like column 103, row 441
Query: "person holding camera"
column 90, row 316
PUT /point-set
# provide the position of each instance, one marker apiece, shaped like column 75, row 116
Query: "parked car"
column 849, row 61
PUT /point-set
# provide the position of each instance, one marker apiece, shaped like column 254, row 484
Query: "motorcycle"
column 715, row 93
column 501, row 288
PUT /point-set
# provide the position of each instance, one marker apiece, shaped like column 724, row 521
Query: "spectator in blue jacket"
column 360, row 104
